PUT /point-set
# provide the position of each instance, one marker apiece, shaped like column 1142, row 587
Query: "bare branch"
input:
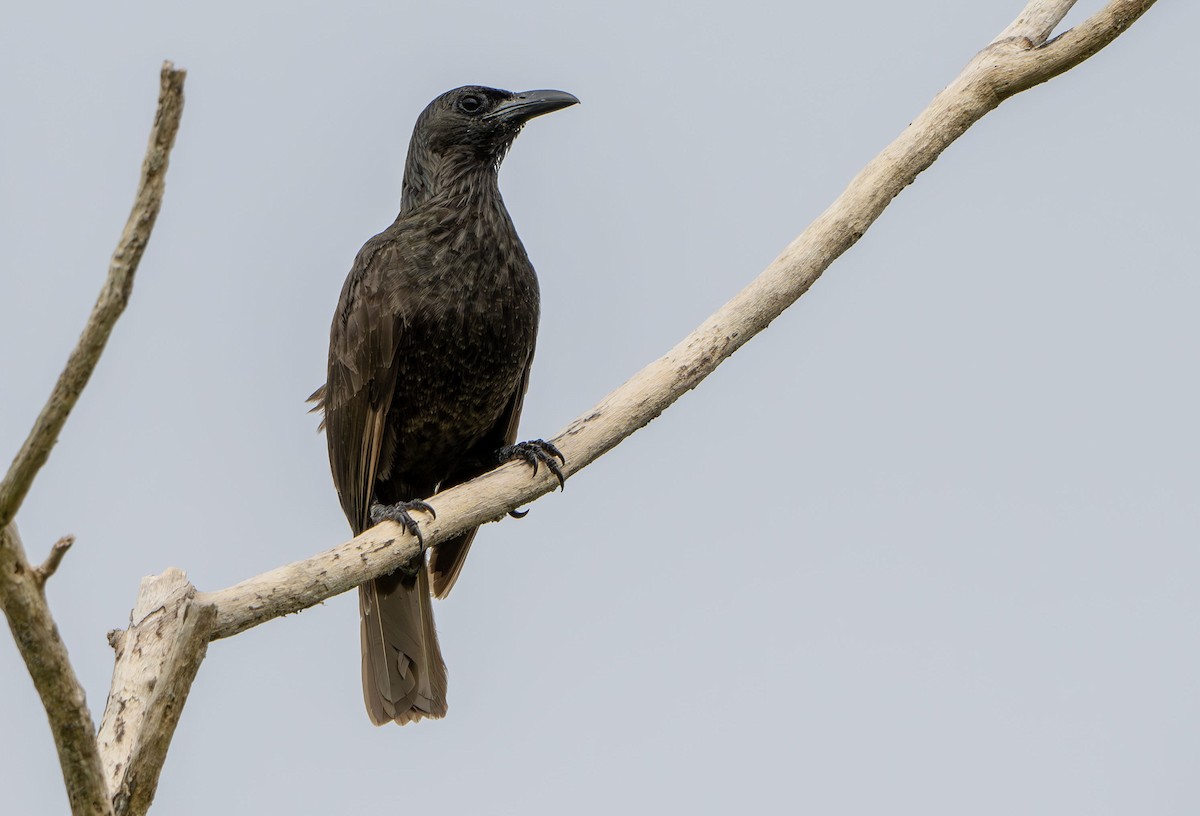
column 1000, row 70
column 109, row 305
column 50, row 667
column 381, row 549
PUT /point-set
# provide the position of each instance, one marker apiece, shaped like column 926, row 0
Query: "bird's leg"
column 399, row 513
column 535, row 452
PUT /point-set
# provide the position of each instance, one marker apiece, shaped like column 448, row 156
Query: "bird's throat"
column 461, row 180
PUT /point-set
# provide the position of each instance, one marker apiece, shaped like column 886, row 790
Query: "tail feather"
column 446, row 561
column 404, row 676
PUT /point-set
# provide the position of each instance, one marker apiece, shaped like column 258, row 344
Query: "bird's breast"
column 468, row 334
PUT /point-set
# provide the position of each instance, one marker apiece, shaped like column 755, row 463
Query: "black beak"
column 528, row 104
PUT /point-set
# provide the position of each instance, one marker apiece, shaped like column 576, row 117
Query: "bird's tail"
column 404, row 676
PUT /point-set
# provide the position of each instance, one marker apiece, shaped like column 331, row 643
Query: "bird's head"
column 483, row 120
column 472, row 126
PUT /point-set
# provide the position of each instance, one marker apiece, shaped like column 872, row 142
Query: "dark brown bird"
column 429, row 358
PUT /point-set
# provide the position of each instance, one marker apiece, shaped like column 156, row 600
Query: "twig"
column 109, row 304
column 50, row 565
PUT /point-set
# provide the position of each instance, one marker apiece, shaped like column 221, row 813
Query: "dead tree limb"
column 109, row 305
column 22, row 586
column 1019, row 58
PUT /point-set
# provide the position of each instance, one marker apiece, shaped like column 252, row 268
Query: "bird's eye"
column 470, row 104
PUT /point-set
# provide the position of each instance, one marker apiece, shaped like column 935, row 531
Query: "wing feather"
column 404, row 676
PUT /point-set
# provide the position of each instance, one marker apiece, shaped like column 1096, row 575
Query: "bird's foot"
column 400, row 513
column 535, row 452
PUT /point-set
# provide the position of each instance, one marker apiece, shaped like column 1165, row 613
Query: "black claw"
column 518, row 514
column 535, row 452
column 558, row 474
column 550, row 448
column 399, row 513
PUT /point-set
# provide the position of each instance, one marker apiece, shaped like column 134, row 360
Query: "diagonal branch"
column 109, row 304
column 1013, row 62
column 22, row 595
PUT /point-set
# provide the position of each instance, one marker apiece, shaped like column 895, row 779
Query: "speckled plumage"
column 429, row 357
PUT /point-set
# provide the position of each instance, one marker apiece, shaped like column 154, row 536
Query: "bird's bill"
column 528, row 104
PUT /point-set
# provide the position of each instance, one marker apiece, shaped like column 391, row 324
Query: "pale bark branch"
column 1037, row 21
column 109, row 304
column 22, row 595
column 1006, row 66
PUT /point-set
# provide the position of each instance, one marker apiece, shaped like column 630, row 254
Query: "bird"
column 430, row 351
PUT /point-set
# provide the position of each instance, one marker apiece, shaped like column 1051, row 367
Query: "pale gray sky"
column 928, row 545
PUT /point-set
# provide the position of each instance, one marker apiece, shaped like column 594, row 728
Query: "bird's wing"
column 361, row 378
column 446, row 559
